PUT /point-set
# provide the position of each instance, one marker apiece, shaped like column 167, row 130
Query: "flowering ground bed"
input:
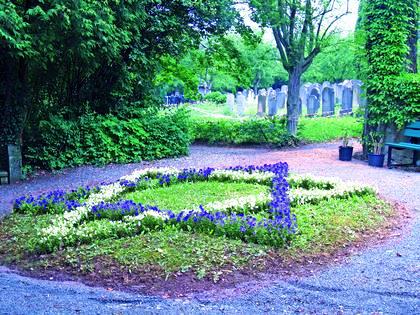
column 164, row 223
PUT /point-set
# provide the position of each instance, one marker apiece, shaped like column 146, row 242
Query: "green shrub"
column 95, row 139
column 248, row 131
column 215, row 97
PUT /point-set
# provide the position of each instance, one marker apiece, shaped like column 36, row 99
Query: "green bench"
column 413, row 132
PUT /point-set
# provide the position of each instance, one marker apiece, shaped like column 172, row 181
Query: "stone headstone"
column 312, row 105
column 230, row 101
column 338, row 91
column 328, row 101
column 281, row 100
column 240, row 103
column 245, row 93
column 325, row 84
column 262, row 99
column 313, row 101
column 347, row 101
column 303, row 93
column 272, row 103
column 357, row 90
column 11, row 162
column 284, row 88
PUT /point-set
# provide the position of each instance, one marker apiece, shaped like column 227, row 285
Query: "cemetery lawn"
column 324, row 129
column 172, row 258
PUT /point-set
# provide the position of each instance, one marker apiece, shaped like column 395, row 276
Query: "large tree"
column 301, row 29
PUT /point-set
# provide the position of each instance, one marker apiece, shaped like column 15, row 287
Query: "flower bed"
column 162, row 223
column 89, row 214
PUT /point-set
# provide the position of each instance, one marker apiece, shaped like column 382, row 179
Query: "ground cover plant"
column 162, row 223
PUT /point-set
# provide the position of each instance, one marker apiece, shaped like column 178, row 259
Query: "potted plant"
column 345, row 151
column 376, row 158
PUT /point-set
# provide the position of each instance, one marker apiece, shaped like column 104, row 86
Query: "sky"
column 346, row 24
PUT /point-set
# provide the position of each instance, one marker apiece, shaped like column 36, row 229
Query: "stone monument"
column 11, row 162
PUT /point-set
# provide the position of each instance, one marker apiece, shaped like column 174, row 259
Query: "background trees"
column 300, row 28
column 223, row 64
column 69, row 57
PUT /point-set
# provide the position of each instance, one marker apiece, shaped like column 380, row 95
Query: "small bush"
column 249, row 131
column 215, row 97
column 95, row 139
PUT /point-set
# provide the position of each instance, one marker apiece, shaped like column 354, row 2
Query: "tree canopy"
column 69, row 56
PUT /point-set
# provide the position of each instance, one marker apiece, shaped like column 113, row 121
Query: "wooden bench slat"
column 414, row 133
column 414, row 125
column 404, row 145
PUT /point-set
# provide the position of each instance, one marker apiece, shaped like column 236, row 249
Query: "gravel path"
column 383, row 279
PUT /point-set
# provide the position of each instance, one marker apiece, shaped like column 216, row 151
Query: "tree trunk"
column 293, row 100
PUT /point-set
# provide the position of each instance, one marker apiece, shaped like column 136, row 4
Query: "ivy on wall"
column 392, row 93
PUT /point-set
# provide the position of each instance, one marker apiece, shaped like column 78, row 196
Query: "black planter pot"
column 376, row 160
column 345, row 153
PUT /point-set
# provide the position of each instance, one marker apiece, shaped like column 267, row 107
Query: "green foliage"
column 224, row 64
column 329, row 128
column 92, row 55
column 247, row 131
column 216, row 97
column 191, row 195
column 393, row 96
column 273, row 131
column 397, row 101
column 335, row 63
column 94, row 139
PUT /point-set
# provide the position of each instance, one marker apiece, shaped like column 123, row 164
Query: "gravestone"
column 338, row 91
column 328, row 101
column 230, row 101
column 262, row 99
column 11, row 162
column 240, row 103
column 281, row 100
column 272, row 103
column 312, row 105
column 284, row 88
column 347, row 101
column 250, row 98
column 357, row 89
column 303, row 93
column 313, row 101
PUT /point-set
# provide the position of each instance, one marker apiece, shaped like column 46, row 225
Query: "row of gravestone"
column 313, row 97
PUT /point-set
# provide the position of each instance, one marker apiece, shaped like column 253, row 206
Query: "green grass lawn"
column 191, row 195
column 323, row 129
